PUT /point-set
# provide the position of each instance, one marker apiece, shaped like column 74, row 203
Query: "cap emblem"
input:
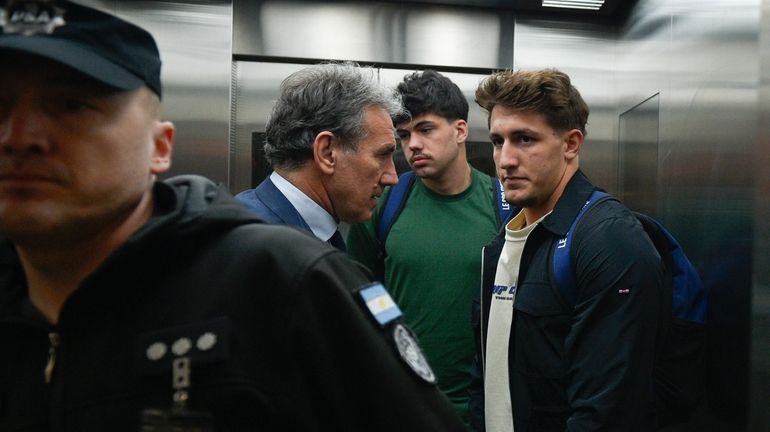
column 29, row 17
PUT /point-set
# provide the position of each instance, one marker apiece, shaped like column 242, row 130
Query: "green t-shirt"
column 432, row 271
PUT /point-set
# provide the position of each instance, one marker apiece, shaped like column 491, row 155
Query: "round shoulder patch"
column 412, row 354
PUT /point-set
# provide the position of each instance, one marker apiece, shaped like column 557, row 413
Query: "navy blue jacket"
column 587, row 367
column 270, row 205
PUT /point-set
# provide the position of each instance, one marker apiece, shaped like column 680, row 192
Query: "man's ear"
column 461, row 127
column 574, row 142
column 325, row 151
column 163, row 143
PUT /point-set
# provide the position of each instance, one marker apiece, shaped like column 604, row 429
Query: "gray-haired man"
column 331, row 141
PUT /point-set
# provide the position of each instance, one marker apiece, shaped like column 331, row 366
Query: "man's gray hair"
column 327, row 97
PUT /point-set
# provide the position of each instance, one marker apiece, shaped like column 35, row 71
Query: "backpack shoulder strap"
column 394, row 203
column 504, row 208
column 563, row 272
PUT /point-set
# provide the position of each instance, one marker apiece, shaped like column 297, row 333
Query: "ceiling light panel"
column 574, row 4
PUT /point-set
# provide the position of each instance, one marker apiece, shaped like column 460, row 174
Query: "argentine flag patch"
column 380, row 304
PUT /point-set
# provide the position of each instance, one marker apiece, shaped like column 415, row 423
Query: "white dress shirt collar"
column 320, row 221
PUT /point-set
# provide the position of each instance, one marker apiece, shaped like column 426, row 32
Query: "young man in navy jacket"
column 543, row 364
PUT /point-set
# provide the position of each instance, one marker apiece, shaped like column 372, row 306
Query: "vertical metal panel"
column 256, row 85
column 194, row 39
column 638, row 142
column 701, row 57
column 452, row 37
column 759, row 395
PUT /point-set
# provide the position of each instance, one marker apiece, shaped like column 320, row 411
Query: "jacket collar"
column 269, row 194
column 575, row 195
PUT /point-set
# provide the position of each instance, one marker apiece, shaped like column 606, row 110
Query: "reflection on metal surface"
column 759, row 395
column 256, row 90
column 376, row 32
column 194, row 42
column 638, row 156
column 321, row 30
column 701, row 57
column 574, row 4
column 442, row 36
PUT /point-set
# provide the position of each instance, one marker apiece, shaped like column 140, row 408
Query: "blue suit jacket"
column 267, row 202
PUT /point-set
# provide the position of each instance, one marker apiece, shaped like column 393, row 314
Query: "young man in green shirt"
column 432, row 252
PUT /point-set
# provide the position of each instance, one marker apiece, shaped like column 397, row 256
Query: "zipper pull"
column 53, row 339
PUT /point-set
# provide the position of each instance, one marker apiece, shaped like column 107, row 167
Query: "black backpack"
column 681, row 338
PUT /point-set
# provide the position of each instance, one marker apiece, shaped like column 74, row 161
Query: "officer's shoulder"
column 279, row 238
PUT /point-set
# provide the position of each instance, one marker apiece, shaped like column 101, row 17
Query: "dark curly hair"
column 431, row 92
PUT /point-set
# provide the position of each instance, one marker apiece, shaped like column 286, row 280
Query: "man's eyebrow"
column 425, row 123
column 390, row 148
column 418, row 125
column 519, row 131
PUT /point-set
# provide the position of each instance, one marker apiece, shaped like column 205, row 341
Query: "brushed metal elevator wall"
column 702, row 59
column 195, row 42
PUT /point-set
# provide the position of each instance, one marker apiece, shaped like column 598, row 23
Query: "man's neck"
column 55, row 269
column 533, row 213
column 454, row 180
column 307, row 180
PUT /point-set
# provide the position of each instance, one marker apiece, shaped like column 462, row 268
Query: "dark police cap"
column 99, row 45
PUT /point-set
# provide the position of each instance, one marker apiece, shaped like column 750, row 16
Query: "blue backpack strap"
column 394, row 203
column 504, row 208
column 563, row 273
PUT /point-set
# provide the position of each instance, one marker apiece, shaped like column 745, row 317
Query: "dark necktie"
column 337, row 241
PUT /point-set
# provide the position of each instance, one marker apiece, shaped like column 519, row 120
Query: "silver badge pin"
column 181, row 346
column 156, row 351
column 206, row 341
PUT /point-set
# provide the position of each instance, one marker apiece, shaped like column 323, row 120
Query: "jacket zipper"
column 53, row 344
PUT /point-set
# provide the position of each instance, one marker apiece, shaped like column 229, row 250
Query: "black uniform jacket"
column 587, row 367
column 276, row 337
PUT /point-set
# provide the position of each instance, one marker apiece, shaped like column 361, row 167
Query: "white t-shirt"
column 498, row 414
